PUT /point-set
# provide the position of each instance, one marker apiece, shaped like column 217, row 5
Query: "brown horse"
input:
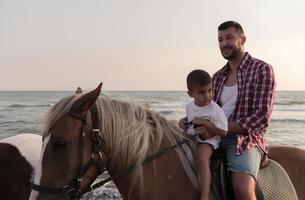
column 84, row 134
column 292, row 159
column 129, row 134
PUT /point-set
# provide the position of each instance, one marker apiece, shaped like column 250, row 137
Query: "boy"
column 199, row 85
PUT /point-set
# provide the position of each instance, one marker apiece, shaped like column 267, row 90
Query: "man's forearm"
column 235, row 128
column 214, row 130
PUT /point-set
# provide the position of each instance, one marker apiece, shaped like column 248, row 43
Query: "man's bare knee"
column 243, row 186
column 242, row 192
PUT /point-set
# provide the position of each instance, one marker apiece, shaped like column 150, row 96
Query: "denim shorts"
column 248, row 162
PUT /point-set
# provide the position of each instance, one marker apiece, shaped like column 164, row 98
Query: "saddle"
column 221, row 184
column 272, row 181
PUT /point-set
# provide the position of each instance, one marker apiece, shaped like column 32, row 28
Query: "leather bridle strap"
column 146, row 161
column 72, row 190
column 45, row 189
column 97, row 141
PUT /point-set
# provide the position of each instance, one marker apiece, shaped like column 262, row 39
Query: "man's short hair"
column 197, row 78
column 229, row 24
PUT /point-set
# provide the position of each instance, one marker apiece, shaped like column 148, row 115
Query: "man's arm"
column 235, row 128
column 207, row 129
column 213, row 129
column 263, row 99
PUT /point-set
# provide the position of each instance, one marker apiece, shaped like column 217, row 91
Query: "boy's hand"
column 183, row 123
column 197, row 121
column 203, row 132
column 200, row 126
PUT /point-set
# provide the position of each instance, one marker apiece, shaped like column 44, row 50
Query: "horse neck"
column 163, row 178
column 126, row 132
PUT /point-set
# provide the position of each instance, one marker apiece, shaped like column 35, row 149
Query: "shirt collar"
column 243, row 65
column 245, row 62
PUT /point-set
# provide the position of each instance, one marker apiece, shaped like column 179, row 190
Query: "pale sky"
column 141, row 45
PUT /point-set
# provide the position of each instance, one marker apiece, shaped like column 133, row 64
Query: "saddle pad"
column 273, row 179
column 275, row 182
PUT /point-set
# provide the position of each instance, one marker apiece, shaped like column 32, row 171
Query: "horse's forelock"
column 57, row 111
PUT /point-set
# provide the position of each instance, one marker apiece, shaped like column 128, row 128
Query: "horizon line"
column 148, row 90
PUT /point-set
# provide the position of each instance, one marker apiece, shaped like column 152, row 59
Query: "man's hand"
column 235, row 128
column 197, row 121
column 200, row 126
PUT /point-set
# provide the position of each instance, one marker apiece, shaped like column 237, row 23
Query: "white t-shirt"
column 213, row 113
column 228, row 98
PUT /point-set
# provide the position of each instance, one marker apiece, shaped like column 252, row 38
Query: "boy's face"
column 202, row 94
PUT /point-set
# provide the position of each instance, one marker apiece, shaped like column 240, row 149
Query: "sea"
column 24, row 111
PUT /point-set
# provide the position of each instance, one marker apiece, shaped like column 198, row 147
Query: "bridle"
column 72, row 190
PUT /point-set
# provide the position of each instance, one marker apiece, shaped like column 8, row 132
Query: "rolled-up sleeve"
column 263, row 98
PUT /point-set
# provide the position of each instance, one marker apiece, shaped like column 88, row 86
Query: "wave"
column 289, row 103
column 43, row 105
column 6, row 109
column 288, row 121
column 13, row 122
column 23, row 105
column 166, row 112
column 17, row 106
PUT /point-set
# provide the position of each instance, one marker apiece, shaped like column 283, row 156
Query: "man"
column 245, row 89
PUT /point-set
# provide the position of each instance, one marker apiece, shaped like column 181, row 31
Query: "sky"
column 141, row 44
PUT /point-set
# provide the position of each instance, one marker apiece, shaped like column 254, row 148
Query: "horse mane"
column 132, row 132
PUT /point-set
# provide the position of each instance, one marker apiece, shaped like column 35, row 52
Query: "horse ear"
column 85, row 102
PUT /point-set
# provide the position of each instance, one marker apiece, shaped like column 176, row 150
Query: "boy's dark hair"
column 197, row 78
column 229, row 24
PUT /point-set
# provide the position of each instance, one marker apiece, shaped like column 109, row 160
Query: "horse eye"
column 59, row 144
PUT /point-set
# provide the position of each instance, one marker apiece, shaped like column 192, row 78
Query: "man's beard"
column 233, row 55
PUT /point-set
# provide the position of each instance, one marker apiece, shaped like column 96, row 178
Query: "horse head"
column 71, row 156
column 84, row 134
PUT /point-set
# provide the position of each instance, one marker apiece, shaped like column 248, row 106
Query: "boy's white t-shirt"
column 211, row 112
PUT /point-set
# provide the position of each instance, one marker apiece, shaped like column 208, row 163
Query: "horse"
column 18, row 156
column 84, row 134
column 292, row 159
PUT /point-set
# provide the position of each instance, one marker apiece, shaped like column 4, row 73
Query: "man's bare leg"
column 243, row 186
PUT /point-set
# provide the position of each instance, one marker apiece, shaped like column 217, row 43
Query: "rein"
column 146, row 161
column 72, row 190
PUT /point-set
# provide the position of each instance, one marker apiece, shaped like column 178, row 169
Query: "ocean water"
column 23, row 112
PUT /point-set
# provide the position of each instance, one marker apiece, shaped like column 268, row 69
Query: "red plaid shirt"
column 256, row 91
